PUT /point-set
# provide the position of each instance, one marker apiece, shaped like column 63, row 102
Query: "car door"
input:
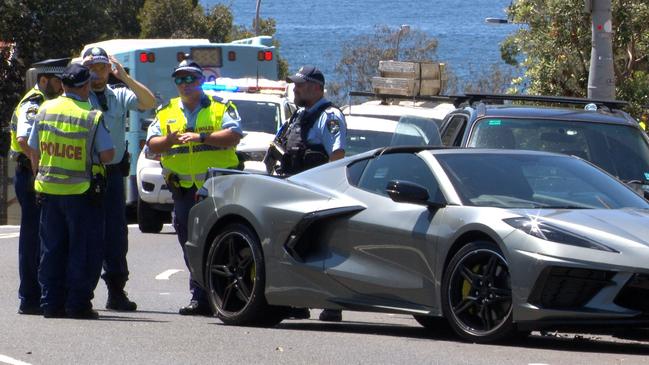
column 453, row 129
column 387, row 250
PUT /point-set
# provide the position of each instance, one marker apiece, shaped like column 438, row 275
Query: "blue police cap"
column 98, row 54
column 188, row 65
column 75, row 75
column 307, row 73
column 53, row 66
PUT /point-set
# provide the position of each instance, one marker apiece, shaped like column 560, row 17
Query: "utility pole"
column 601, row 76
column 257, row 17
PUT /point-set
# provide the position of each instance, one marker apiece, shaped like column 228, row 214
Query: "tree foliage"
column 555, row 45
column 361, row 55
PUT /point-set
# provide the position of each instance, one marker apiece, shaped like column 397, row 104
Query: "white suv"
column 261, row 116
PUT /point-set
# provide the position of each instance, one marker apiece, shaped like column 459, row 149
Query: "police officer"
column 68, row 142
column 114, row 102
column 48, row 86
column 193, row 132
column 314, row 135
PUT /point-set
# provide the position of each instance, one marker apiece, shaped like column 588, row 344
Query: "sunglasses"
column 189, row 79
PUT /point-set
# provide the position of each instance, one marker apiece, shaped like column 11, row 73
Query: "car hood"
column 255, row 141
column 613, row 226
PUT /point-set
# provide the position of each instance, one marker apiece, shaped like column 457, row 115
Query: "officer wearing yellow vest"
column 69, row 142
column 193, row 132
column 48, row 86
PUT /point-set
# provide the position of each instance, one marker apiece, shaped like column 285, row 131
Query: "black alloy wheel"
column 477, row 294
column 235, row 278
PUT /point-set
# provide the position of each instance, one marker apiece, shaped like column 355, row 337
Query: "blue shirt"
column 227, row 122
column 26, row 116
column 330, row 130
column 118, row 100
column 102, row 143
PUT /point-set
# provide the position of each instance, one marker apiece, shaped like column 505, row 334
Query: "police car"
column 263, row 106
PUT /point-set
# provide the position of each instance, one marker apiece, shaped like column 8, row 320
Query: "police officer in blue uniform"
column 48, row 86
column 115, row 102
column 314, row 135
column 67, row 133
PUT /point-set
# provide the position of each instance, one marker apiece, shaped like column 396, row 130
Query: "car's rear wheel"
column 236, row 278
column 477, row 294
column 148, row 219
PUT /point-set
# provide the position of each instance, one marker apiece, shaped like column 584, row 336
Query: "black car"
column 600, row 132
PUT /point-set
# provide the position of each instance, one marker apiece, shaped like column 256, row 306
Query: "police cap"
column 75, row 75
column 307, row 73
column 53, row 66
column 98, row 54
column 188, row 65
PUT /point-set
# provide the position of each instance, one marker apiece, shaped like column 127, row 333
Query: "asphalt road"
column 156, row 334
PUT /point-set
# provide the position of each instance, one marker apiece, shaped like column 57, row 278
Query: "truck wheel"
column 148, row 219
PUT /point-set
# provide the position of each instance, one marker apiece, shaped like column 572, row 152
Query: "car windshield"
column 364, row 140
column 258, row 116
column 619, row 149
column 534, row 181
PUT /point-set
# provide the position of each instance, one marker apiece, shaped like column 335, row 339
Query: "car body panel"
column 330, row 244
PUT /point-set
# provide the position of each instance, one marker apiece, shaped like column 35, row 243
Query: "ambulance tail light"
column 147, row 57
column 264, row 56
column 232, row 56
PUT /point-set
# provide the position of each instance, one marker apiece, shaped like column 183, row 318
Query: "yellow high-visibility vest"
column 190, row 161
column 66, row 131
column 34, row 94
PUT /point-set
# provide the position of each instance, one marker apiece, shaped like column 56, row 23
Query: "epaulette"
column 162, row 106
column 219, row 99
column 36, row 98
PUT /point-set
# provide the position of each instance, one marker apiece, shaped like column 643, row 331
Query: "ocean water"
column 312, row 32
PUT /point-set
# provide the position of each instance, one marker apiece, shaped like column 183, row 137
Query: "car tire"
column 476, row 293
column 236, row 279
column 148, row 219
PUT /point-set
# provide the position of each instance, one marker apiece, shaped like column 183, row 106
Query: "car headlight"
column 549, row 232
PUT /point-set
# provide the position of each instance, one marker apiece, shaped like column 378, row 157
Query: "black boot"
column 117, row 299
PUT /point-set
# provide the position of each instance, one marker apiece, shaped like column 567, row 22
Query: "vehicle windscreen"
column 619, row 149
column 535, row 181
column 416, row 131
column 258, row 116
column 359, row 141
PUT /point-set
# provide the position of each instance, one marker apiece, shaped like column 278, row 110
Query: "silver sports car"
column 494, row 241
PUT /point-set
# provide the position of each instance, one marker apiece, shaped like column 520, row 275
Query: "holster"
column 173, row 184
column 274, row 153
column 23, row 162
column 125, row 164
column 97, row 188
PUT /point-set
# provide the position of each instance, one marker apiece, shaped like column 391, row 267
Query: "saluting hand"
column 119, row 70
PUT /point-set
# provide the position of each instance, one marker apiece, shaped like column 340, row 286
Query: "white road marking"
column 135, row 225
column 11, row 361
column 165, row 293
column 8, row 226
column 9, row 235
column 166, row 274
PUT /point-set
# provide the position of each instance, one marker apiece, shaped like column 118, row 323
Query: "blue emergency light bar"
column 218, row 87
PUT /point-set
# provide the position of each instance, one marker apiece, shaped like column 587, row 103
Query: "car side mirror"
column 408, row 192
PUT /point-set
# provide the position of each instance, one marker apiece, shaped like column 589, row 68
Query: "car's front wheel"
column 235, row 278
column 477, row 294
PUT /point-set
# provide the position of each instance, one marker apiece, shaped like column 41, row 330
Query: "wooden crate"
column 395, row 86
